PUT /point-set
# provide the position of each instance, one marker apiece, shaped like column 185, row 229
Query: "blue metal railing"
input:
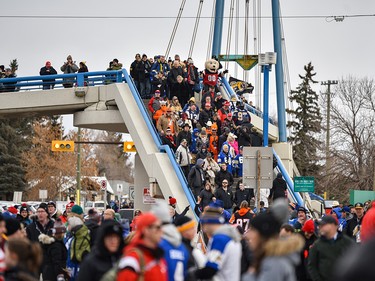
column 156, row 138
column 230, row 93
column 77, row 79
column 295, row 195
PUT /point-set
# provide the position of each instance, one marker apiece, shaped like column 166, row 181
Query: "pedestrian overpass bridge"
column 108, row 100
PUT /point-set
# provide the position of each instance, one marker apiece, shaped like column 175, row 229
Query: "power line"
column 327, row 17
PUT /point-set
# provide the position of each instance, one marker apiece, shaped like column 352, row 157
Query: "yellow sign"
column 247, row 62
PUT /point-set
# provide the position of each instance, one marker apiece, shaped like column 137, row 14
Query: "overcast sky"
column 336, row 49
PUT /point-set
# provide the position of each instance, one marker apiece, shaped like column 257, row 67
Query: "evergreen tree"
column 14, row 66
column 306, row 124
column 12, row 174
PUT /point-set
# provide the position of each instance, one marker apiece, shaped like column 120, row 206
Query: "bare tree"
column 352, row 137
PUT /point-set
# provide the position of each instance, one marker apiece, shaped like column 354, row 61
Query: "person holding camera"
column 69, row 67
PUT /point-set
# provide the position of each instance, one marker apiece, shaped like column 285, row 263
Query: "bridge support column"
column 285, row 151
column 141, row 180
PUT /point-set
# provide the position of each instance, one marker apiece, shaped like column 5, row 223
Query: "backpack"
column 111, row 275
column 80, row 244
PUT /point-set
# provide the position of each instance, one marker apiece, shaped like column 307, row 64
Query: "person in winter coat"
column 184, row 134
column 55, row 253
column 211, row 168
column 223, row 251
column 23, row 216
column 309, row 236
column 206, row 196
column 188, row 230
column 243, row 216
column 169, row 139
column 196, row 178
column 69, row 67
column 41, row 225
column 274, row 258
column 78, row 244
column 206, row 114
column 175, row 104
column 92, row 223
column 183, row 157
column 223, row 174
column 242, row 193
column 22, row 260
column 359, row 263
column 202, row 152
column 278, row 189
column 225, row 194
column 243, row 134
column 105, row 254
column 48, row 70
column 143, row 258
column 225, row 157
column 181, row 90
column 327, row 250
column 175, row 253
column 354, row 224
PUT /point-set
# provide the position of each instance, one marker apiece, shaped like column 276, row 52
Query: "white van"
column 97, row 205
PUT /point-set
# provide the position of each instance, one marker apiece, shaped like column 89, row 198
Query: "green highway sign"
column 304, row 184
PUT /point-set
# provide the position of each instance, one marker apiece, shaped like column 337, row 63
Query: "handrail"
column 288, row 180
column 155, row 136
column 79, row 78
column 231, row 94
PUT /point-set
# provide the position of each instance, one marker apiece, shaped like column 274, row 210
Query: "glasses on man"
column 225, row 182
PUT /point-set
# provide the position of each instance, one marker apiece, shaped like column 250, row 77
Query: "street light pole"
column 328, row 83
column 266, row 61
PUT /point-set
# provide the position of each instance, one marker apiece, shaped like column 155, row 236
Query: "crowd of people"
column 282, row 242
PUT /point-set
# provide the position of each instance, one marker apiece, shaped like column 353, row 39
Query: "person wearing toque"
column 41, row 225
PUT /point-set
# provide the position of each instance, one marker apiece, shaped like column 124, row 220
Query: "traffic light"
column 129, row 146
column 62, row 146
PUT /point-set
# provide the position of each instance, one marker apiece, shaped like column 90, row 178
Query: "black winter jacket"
column 225, row 196
column 100, row 260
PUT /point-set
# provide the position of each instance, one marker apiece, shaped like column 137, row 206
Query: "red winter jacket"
column 150, row 261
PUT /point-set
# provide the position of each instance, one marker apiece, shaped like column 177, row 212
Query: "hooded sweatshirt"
column 175, row 253
column 223, row 255
column 100, row 260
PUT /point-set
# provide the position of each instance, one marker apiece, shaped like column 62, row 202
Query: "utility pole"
column 79, row 168
column 328, row 83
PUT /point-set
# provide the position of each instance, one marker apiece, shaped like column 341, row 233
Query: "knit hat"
column 43, row 206
column 76, row 209
column 368, row 224
column 212, row 216
column 58, row 227
column 12, row 226
column 266, row 224
column 74, row 221
column 172, row 200
column 12, row 210
column 51, row 203
column 184, row 223
column 302, row 209
column 143, row 221
column 161, row 210
column 309, row 227
column 24, row 208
